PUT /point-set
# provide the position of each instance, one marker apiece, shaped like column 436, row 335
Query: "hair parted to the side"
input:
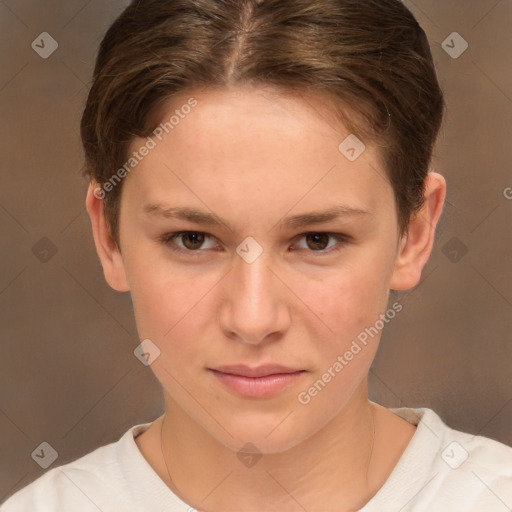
column 369, row 57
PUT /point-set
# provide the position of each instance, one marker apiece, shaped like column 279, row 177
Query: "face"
column 232, row 261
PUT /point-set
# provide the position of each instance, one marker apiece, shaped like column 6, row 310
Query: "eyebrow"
column 295, row 221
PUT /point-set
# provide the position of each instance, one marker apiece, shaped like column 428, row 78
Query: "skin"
column 255, row 157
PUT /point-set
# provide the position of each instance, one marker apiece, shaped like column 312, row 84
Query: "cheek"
column 346, row 301
column 350, row 305
column 172, row 315
column 165, row 295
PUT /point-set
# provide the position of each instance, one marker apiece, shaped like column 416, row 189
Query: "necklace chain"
column 174, row 485
column 162, row 449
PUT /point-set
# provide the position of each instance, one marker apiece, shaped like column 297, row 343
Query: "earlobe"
column 416, row 245
column 106, row 247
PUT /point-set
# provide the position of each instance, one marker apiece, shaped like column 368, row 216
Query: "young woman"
column 260, row 181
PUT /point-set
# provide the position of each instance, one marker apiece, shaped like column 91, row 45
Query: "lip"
column 260, row 371
column 260, row 382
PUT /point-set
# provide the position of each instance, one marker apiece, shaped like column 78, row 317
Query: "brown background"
column 68, row 375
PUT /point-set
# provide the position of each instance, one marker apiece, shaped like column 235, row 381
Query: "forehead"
column 256, row 107
column 259, row 143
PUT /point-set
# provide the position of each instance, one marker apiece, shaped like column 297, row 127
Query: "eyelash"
column 168, row 239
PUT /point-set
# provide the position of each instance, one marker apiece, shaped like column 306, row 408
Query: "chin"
column 268, row 434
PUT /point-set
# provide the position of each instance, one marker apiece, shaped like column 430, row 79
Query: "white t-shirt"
column 441, row 470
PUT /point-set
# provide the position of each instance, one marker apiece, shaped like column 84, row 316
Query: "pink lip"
column 259, row 382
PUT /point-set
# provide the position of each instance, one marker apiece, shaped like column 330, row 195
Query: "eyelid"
column 342, row 240
column 168, row 240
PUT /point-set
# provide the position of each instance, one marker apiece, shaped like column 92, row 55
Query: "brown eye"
column 317, row 241
column 321, row 243
column 191, row 243
column 192, row 240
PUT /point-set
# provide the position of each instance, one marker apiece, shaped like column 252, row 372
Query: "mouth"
column 260, row 382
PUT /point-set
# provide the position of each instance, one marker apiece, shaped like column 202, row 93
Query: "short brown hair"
column 371, row 55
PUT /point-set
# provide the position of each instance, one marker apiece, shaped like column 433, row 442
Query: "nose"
column 254, row 309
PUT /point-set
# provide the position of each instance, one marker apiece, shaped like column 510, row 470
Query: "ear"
column 106, row 246
column 416, row 244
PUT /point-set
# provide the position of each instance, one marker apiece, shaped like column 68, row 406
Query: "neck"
column 334, row 465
